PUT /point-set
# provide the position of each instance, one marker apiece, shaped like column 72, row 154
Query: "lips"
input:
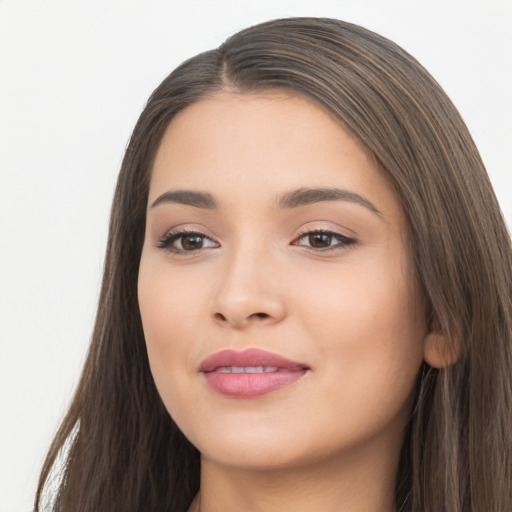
column 250, row 373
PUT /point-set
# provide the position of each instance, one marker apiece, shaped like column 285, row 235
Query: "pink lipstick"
column 250, row 373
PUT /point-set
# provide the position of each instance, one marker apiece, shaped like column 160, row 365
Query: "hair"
column 120, row 448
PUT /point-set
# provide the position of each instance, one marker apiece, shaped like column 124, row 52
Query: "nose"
column 249, row 292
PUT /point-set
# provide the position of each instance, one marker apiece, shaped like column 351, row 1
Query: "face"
column 282, row 322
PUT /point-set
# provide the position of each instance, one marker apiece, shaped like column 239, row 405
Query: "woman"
column 307, row 300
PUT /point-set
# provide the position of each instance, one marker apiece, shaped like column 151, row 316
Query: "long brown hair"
column 121, row 450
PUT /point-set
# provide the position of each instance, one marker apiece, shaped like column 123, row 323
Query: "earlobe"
column 438, row 350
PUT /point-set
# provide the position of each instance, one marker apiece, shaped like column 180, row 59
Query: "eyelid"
column 165, row 241
column 344, row 241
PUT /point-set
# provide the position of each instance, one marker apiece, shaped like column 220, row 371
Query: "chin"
column 262, row 447
column 256, row 447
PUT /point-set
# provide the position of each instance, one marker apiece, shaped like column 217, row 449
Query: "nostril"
column 261, row 315
column 242, row 319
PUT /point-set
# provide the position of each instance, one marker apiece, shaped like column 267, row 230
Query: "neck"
column 358, row 485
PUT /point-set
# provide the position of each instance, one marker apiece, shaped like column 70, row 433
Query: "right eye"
column 182, row 242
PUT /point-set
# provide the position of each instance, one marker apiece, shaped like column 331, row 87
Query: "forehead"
column 264, row 144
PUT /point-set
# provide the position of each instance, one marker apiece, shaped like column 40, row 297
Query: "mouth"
column 250, row 373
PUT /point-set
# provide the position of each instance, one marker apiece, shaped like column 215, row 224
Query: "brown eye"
column 319, row 240
column 324, row 240
column 186, row 242
column 190, row 242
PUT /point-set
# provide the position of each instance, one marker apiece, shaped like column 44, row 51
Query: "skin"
column 353, row 313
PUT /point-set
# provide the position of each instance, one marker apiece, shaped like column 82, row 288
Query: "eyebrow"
column 305, row 196
column 293, row 199
column 188, row 198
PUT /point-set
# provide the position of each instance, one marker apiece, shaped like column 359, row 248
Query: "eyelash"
column 343, row 241
column 168, row 239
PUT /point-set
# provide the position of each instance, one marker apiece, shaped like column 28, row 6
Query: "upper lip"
column 250, row 357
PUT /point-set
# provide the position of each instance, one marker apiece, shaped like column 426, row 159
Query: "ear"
column 438, row 350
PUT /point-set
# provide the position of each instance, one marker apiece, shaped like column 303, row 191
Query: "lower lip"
column 250, row 385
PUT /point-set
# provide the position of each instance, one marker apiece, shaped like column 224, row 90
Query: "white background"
column 74, row 75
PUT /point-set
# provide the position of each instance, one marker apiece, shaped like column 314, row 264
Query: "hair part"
column 128, row 454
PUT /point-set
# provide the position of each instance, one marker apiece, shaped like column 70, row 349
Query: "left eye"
column 186, row 242
column 323, row 240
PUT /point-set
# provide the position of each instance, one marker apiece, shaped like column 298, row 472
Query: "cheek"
column 169, row 305
column 368, row 327
column 169, row 300
column 357, row 299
